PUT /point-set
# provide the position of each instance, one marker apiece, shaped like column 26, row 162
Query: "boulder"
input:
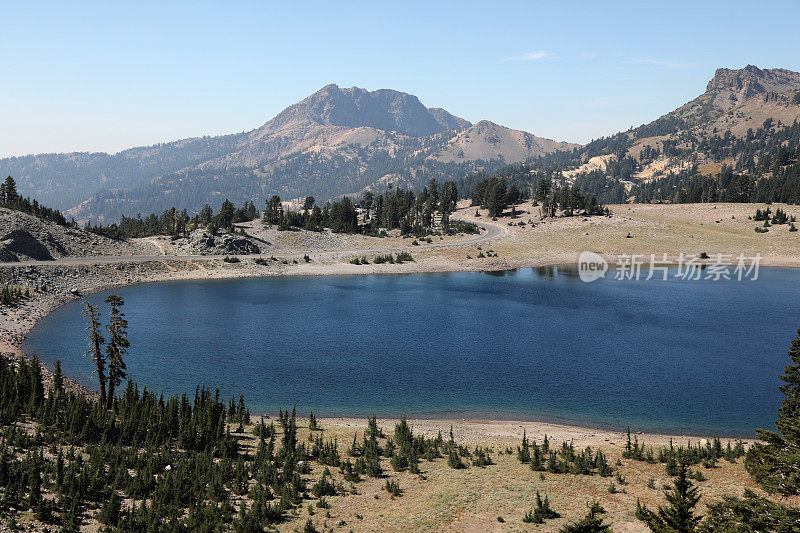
column 21, row 243
column 205, row 243
column 239, row 245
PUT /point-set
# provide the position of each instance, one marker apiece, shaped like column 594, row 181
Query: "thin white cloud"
column 659, row 62
column 528, row 56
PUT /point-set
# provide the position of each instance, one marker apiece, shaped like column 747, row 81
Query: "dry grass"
column 444, row 499
column 654, row 228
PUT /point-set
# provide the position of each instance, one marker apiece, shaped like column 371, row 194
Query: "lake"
column 532, row 344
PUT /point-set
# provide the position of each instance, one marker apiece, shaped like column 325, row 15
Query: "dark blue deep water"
column 695, row 356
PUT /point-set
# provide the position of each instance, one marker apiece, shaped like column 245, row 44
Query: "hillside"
column 336, row 141
column 737, row 141
column 64, row 180
column 24, row 238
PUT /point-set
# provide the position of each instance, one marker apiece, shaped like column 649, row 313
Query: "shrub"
column 323, row 487
column 541, row 512
column 350, row 473
column 481, row 458
column 398, row 462
column 393, row 488
column 323, row 504
column 231, row 259
column 532, row 518
column 454, row 461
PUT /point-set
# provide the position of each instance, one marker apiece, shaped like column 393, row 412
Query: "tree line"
column 373, row 214
column 11, row 199
column 495, row 194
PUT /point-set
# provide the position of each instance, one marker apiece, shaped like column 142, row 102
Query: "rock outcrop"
column 26, row 238
column 21, row 243
column 204, row 243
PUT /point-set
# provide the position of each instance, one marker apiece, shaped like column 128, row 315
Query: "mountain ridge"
column 345, row 140
column 744, row 121
column 335, row 141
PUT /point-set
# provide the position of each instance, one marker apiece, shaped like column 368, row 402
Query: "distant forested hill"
column 64, row 180
column 738, row 142
column 337, row 141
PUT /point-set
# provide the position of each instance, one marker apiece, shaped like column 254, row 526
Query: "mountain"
column 738, row 141
column 745, row 120
column 737, row 99
column 336, row 141
column 63, row 180
column 487, row 140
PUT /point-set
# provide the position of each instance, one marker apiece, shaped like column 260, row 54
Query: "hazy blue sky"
column 106, row 76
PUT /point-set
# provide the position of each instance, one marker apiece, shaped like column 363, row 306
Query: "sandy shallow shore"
column 508, row 433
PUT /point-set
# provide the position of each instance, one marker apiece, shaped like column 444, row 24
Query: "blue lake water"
column 695, row 356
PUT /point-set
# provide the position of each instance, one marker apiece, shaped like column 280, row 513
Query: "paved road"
column 492, row 233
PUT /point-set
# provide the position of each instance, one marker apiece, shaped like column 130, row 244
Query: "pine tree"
column 117, row 345
column 523, row 452
column 60, row 471
column 591, row 523
column 774, row 463
column 628, row 447
column 96, row 341
column 109, row 513
column 373, row 463
column 9, row 191
column 678, row 516
column 36, row 384
column 35, row 483
column 58, row 378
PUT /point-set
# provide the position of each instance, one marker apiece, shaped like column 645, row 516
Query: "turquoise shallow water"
column 694, row 356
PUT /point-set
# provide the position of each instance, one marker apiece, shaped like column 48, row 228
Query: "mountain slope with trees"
column 739, row 141
column 336, row 141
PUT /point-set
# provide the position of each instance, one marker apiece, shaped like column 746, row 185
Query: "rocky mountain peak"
column 354, row 107
column 751, row 80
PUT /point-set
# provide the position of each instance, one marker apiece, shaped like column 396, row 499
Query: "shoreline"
column 17, row 322
column 554, row 422
column 490, row 427
column 510, row 432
